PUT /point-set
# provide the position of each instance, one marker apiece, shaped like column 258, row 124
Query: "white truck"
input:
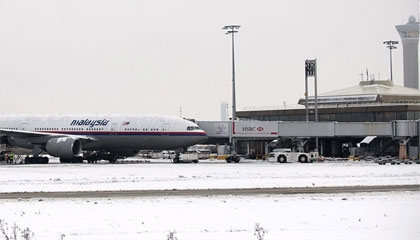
column 285, row 155
column 189, row 157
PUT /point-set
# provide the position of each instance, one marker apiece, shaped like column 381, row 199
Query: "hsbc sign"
column 255, row 128
column 252, row 129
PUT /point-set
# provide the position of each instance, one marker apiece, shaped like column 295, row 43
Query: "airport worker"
column 11, row 157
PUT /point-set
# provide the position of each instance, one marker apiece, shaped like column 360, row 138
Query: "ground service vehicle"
column 285, row 155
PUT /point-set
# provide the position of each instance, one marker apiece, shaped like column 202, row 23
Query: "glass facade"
column 357, row 114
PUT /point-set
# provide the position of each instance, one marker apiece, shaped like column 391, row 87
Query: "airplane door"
column 24, row 126
column 114, row 128
column 165, row 129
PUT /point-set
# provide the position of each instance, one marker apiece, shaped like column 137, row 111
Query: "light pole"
column 390, row 44
column 311, row 71
column 232, row 29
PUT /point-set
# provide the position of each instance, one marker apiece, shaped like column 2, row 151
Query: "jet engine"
column 64, row 147
column 4, row 140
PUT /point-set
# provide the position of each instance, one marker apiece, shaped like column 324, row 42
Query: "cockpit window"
column 191, row 128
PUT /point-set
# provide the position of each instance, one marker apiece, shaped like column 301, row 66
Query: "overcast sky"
column 154, row 57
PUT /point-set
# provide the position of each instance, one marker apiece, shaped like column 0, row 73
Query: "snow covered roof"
column 368, row 92
column 374, row 87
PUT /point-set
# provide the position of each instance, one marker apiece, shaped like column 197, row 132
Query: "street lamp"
column 390, row 44
column 232, row 29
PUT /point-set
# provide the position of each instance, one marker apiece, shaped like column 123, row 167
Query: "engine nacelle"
column 5, row 140
column 64, row 147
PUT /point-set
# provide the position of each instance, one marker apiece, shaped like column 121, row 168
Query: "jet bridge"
column 402, row 130
column 274, row 129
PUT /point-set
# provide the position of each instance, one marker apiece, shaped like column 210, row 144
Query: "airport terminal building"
column 369, row 101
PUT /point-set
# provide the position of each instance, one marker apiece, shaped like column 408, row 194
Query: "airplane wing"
column 55, row 144
column 39, row 137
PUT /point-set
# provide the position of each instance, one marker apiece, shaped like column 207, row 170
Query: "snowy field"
column 204, row 175
column 390, row 215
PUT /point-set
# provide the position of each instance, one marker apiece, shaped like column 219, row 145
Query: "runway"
column 209, row 192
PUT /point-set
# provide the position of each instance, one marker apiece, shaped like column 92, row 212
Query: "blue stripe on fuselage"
column 106, row 133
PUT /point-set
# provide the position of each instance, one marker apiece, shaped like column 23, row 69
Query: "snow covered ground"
column 206, row 174
column 391, row 215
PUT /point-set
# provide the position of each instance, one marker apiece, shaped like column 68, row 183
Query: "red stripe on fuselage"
column 128, row 133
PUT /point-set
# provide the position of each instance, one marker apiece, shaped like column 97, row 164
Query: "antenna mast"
column 361, row 75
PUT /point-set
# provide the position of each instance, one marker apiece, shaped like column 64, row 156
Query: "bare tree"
column 26, row 234
column 15, row 233
column 259, row 231
column 3, row 230
column 171, row 236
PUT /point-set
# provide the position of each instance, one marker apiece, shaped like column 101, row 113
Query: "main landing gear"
column 36, row 160
column 93, row 158
column 72, row 160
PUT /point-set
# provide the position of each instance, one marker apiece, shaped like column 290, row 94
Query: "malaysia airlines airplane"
column 73, row 138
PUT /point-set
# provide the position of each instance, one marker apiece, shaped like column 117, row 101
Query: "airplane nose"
column 200, row 137
column 203, row 136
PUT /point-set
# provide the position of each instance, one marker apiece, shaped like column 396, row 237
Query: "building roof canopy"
column 367, row 92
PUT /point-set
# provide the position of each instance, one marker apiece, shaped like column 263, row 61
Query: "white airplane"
column 73, row 138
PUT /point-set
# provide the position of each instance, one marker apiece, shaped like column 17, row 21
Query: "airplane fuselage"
column 119, row 134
